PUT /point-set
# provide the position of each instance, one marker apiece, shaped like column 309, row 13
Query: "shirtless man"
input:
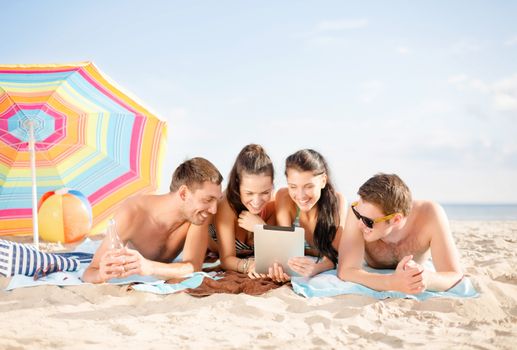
column 157, row 228
column 389, row 230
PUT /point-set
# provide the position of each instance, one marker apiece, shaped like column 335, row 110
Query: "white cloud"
column 464, row 82
column 236, row 101
column 466, row 46
column 505, row 102
column 370, row 90
column 457, row 79
column 404, row 50
column 343, row 24
column 503, row 92
column 326, row 40
column 511, row 41
column 330, row 32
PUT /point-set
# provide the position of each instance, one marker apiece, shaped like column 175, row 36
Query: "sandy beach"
column 107, row 316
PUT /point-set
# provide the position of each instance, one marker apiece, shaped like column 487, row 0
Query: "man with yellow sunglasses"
column 388, row 230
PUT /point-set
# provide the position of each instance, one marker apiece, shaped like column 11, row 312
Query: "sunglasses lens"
column 368, row 222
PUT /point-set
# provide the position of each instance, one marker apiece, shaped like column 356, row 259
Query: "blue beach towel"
column 81, row 257
column 327, row 284
column 194, row 280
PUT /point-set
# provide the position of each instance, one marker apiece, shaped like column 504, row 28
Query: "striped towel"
column 24, row 259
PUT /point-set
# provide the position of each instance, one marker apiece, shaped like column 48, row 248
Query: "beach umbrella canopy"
column 79, row 131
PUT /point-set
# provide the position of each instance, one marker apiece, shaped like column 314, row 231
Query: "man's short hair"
column 388, row 192
column 193, row 173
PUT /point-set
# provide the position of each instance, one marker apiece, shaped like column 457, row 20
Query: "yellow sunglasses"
column 366, row 220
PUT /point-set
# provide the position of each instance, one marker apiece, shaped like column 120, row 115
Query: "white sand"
column 110, row 317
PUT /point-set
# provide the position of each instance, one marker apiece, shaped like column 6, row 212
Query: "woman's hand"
column 277, row 274
column 304, row 266
column 250, row 270
column 248, row 220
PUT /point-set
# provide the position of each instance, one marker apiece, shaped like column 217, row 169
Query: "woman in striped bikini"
column 310, row 201
column 247, row 201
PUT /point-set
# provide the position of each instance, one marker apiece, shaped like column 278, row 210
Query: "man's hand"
column 304, row 266
column 248, row 220
column 111, row 264
column 425, row 275
column 277, row 274
column 408, row 277
column 136, row 264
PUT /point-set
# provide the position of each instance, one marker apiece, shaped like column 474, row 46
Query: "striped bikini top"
column 238, row 244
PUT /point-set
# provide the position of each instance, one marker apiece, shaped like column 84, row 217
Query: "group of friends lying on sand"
column 384, row 228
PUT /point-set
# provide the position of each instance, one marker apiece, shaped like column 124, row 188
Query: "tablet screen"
column 277, row 244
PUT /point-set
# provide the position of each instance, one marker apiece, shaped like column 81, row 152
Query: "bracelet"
column 246, row 265
column 239, row 267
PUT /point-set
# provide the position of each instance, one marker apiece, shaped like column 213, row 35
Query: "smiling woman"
column 247, row 202
column 311, row 201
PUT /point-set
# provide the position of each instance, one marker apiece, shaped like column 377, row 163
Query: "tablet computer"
column 277, row 244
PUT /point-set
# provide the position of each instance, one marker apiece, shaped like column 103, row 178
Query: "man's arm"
column 194, row 251
column 351, row 257
column 443, row 251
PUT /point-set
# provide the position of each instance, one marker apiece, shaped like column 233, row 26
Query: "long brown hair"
column 328, row 208
column 252, row 160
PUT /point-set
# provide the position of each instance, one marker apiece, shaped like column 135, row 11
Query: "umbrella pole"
column 32, row 150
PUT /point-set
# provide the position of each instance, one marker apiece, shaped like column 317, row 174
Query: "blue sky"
column 427, row 90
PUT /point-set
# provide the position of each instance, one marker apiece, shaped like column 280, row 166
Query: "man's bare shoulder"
column 426, row 210
column 136, row 206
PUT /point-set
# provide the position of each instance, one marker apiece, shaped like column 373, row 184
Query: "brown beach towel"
column 230, row 282
column 233, row 283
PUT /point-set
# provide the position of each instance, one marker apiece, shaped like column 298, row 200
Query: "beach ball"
column 64, row 215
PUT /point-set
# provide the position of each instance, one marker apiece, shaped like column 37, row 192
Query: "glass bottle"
column 114, row 238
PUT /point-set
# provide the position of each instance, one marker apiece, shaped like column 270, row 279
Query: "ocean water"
column 485, row 212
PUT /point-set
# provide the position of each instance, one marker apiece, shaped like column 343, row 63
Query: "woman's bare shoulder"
column 224, row 210
column 282, row 194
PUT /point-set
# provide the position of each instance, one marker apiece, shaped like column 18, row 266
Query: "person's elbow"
column 90, row 275
column 225, row 263
column 86, row 277
column 456, row 277
column 349, row 273
column 196, row 266
column 343, row 273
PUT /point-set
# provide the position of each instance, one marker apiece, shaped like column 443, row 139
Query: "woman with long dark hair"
column 310, row 201
column 247, row 202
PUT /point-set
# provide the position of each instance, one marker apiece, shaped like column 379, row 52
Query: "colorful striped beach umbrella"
column 84, row 133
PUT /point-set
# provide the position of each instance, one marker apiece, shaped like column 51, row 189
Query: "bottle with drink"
column 115, row 241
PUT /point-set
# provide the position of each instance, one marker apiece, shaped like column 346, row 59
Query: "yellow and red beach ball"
column 64, row 215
